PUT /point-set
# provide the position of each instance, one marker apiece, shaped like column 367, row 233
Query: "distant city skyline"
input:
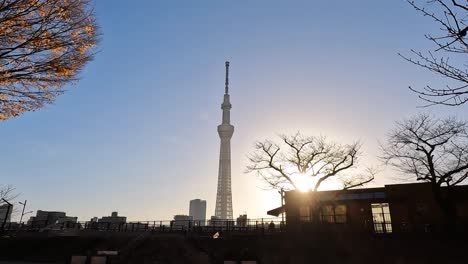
column 137, row 133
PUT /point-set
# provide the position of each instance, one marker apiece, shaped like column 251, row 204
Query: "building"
column 223, row 208
column 182, row 221
column 5, row 212
column 67, row 219
column 114, row 218
column 197, row 211
column 394, row 208
column 242, row 220
column 222, row 223
column 214, row 221
column 46, row 218
column 112, row 222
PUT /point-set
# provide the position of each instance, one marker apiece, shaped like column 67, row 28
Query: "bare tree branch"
column 8, row 193
column 431, row 149
column 314, row 159
column 452, row 19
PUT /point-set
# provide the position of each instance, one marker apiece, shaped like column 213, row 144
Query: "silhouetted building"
column 214, row 221
column 242, row 220
column 113, row 218
column 391, row 209
column 5, row 212
column 46, row 218
column 217, row 222
column 112, row 222
column 197, row 211
column 182, row 221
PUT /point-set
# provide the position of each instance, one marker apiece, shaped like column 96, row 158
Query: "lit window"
column 381, row 218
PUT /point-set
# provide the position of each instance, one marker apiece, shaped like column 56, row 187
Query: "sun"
column 307, row 183
column 303, row 182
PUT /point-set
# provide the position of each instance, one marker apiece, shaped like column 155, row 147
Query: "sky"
column 137, row 134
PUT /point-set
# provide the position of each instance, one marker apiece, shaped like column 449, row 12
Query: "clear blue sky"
column 138, row 133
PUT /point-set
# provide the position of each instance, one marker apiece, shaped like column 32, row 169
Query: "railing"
column 244, row 225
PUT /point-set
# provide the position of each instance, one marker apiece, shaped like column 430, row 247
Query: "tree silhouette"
column 43, row 46
column 313, row 159
column 451, row 17
column 8, row 193
column 433, row 150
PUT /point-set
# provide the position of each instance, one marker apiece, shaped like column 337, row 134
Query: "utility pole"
column 282, row 204
column 22, row 213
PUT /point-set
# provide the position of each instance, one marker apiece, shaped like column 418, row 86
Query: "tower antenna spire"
column 226, row 91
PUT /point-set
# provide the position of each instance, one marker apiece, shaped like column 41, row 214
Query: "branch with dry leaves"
column 44, row 44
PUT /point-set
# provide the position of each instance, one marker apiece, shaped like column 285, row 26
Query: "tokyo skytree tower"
column 225, row 130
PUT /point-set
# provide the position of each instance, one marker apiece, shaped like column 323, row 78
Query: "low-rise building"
column 242, row 220
column 46, row 218
column 113, row 218
column 394, row 208
column 182, row 221
column 112, row 222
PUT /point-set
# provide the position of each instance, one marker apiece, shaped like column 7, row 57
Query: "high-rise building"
column 197, row 211
column 223, row 209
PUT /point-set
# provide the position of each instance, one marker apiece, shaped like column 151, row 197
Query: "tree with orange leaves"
column 43, row 46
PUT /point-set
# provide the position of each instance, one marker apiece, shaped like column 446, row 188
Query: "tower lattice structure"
column 223, row 208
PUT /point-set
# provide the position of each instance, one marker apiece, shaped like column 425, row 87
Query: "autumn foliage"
column 43, row 46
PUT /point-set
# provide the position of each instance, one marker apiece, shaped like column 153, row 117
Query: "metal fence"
column 245, row 225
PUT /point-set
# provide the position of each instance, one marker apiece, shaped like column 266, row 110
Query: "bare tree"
column 7, row 196
column 451, row 17
column 311, row 159
column 429, row 149
column 43, row 46
column 8, row 193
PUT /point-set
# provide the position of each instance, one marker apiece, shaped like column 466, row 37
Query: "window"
column 381, row 218
column 340, row 214
column 333, row 214
column 304, row 214
column 327, row 215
